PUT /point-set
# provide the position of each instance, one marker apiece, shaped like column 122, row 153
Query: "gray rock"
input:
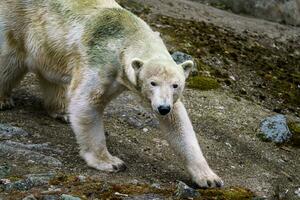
column 32, row 180
column 275, row 129
column 18, row 151
column 185, row 192
column 145, row 197
column 68, row 197
column 34, row 147
column 283, row 11
column 4, row 171
column 50, row 197
column 7, row 131
column 30, row 197
column 180, row 57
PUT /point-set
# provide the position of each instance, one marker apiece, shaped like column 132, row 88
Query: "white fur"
column 74, row 35
column 91, row 80
column 180, row 134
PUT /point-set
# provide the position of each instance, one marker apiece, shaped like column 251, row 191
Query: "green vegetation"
column 295, row 129
column 203, row 83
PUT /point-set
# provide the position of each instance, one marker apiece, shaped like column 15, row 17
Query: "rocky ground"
column 247, row 70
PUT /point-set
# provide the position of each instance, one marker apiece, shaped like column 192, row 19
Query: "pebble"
column 50, row 197
column 297, row 192
column 232, row 78
column 180, row 57
column 69, row 197
column 145, row 130
column 81, row 178
column 156, row 186
column 275, row 129
column 30, row 197
column 185, row 192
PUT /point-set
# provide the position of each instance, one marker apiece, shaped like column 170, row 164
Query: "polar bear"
column 85, row 53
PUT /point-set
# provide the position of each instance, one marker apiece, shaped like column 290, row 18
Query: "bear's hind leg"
column 12, row 70
column 55, row 99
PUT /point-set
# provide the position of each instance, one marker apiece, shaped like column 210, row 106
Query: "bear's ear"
column 137, row 64
column 187, row 67
column 133, row 70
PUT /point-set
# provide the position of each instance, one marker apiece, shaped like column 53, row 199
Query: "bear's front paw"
column 6, row 103
column 206, row 178
column 106, row 163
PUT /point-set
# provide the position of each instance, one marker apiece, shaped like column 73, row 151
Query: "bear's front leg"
column 87, row 123
column 181, row 136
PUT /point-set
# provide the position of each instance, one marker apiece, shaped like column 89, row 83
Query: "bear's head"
column 159, row 82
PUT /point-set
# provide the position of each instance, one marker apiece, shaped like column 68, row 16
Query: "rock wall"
column 282, row 11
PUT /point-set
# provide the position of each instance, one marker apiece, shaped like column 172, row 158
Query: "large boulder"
column 283, row 11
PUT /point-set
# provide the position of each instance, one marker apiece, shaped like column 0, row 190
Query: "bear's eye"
column 153, row 83
column 175, row 86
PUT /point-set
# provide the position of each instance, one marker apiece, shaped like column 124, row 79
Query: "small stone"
column 50, row 197
column 81, row 178
column 145, row 130
column 275, row 129
column 156, row 186
column 120, row 194
column 134, row 121
column 228, row 144
column 185, row 192
column 69, row 197
column 297, row 192
column 30, row 197
column 180, row 57
column 232, row 78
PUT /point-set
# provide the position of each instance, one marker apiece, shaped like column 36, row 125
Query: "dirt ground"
column 226, row 119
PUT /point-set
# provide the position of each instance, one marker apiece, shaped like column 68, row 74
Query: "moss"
column 295, row 129
column 262, row 137
column 92, row 189
column 15, row 178
column 234, row 193
column 104, row 190
column 203, row 83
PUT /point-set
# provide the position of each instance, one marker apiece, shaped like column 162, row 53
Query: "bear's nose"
column 165, row 109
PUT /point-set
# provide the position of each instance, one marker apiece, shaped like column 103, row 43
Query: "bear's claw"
column 120, row 168
column 63, row 117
